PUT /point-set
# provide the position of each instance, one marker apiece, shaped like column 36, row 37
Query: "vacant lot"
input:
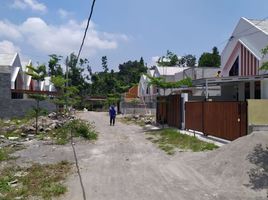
column 123, row 164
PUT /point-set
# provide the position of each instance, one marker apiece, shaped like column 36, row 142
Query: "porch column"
column 252, row 90
column 241, row 91
column 264, row 88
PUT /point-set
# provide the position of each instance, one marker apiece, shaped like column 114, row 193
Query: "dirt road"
column 123, row 165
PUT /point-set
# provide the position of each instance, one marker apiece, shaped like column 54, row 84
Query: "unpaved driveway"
column 123, row 165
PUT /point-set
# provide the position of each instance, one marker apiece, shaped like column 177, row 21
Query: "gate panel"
column 161, row 110
column 222, row 119
column 174, row 111
column 227, row 120
column 194, row 116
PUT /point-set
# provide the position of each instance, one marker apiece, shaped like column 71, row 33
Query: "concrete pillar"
column 185, row 99
column 252, row 90
column 264, row 88
column 241, row 91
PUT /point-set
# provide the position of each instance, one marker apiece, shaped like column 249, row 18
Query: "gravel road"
column 123, row 165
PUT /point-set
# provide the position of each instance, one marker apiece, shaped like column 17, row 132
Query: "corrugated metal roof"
column 261, row 24
column 6, row 59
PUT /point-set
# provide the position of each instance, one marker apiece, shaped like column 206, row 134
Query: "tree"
column 65, row 95
column 54, row 68
column 190, row 60
column 170, row 59
column 161, row 83
column 37, row 73
column 264, row 52
column 104, row 64
column 142, row 62
column 210, row 59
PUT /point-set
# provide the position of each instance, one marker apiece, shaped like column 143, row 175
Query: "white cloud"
column 8, row 47
column 8, row 30
column 61, row 39
column 32, row 4
column 64, row 13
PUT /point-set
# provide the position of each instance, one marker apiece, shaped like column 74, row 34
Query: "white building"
column 242, row 57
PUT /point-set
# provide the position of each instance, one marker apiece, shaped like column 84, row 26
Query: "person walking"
column 112, row 114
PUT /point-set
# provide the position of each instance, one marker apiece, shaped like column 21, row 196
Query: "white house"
column 242, row 57
column 147, row 92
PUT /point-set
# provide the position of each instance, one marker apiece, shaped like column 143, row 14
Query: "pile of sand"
column 243, row 161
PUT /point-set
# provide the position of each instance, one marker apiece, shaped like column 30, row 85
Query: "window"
column 235, row 68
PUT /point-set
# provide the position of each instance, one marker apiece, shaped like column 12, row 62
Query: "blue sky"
column 122, row 29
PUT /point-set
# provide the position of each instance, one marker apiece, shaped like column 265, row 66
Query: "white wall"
column 264, row 89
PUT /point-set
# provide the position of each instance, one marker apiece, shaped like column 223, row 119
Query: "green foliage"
column 104, row 64
column 264, row 52
column 161, row 83
column 105, row 83
column 190, row 60
column 37, row 181
column 78, row 128
column 170, row 59
column 210, row 59
column 112, row 99
column 65, row 95
column 37, row 73
column 170, row 139
column 5, row 152
column 54, row 68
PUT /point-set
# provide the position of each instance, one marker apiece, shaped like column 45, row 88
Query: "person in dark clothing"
column 112, row 114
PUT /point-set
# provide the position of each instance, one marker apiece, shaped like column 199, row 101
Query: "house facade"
column 242, row 57
column 14, row 83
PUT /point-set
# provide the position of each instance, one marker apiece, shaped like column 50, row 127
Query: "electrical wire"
column 72, row 142
column 85, row 33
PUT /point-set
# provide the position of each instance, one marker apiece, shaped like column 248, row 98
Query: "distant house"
column 15, row 85
column 146, row 91
column 131, row 94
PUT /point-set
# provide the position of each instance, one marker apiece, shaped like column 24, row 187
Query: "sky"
column 122, row 30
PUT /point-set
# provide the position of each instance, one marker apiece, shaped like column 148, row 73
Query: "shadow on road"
column 258, row 176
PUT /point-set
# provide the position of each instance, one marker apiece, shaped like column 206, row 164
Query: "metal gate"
column 226, row 120
column 169, row 110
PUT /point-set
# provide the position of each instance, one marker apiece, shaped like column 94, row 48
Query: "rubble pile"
column 13, row 130
column 141, row 119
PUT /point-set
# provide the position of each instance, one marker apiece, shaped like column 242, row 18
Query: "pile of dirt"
column 243, row 161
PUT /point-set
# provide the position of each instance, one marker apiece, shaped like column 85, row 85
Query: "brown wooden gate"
column 226, row 120
column 161, row 110
column 194, row 116
column 169, row 110
column 174, row 111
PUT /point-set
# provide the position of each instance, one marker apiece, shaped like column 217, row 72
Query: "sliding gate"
column 227, row 120
column 169, row 110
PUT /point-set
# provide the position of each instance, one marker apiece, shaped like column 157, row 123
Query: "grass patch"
column 78, row 128
column 170, row 139
column 6, row 151
column 130, row 120
column 37, row 181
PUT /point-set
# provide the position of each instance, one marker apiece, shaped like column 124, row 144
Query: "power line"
column 78, row 55
column 85, row 33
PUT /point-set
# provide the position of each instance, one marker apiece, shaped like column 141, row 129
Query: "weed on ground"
column 43, row 181
column 6, row 151
column 170, row 139
column 77, row 128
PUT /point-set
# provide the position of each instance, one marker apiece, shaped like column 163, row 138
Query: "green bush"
column 77, row 128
